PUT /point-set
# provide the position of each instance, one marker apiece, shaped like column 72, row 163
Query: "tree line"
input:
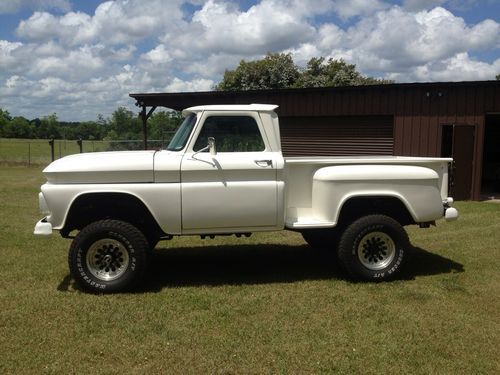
column 274, row 71
column 122, row 125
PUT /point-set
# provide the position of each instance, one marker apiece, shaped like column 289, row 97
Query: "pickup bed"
column 224, row 173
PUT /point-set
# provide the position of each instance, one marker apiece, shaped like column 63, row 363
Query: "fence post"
column 80, row 144
column 51, row 143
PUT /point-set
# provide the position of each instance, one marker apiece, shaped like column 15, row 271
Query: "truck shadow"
column 259, row 264
column 263, row 264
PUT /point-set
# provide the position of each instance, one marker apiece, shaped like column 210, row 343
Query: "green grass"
column 267, row 304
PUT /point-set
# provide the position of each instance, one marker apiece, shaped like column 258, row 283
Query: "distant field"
column 38, row 152
column 266, row 304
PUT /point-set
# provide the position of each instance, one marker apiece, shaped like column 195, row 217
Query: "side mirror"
column 211, row 146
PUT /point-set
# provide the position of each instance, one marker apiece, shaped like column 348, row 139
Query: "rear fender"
column 416, row 187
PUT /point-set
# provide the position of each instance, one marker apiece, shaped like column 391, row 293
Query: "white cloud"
column 304, row 53
column 76, row 64
column 223, row 28
column 13, row 6
column 7, row 60
column 73, row 100
column 51, row 59
column 462, row 5
column 417, row 5
column 397, row 41
column 351, row 8
column 114, row 22
column 200, row 84
column 40, row 26
column 457, row 68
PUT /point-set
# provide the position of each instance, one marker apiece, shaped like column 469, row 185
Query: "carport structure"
column 458, row 119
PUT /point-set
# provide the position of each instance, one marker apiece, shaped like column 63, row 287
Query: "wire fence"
column 43, row 151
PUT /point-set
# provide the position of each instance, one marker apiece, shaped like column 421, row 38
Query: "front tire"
column 374, row 248
column 108, row 256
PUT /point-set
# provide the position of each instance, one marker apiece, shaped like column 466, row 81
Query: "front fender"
column 162, row 201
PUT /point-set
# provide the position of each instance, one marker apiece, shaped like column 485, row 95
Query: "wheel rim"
column 107, row 259
column 376, row 250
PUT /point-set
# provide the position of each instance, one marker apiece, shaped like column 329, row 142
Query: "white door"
column 236, row 189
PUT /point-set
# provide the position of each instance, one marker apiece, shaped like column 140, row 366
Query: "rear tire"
column 374, row 248
column 108, row 256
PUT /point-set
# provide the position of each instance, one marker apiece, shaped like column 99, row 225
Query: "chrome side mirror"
column 211, row 146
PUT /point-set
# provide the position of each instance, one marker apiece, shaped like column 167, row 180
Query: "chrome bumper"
column 43, row 228
column 450, row 213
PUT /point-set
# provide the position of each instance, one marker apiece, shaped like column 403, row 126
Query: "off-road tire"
column 374, row 248
column 108, row 256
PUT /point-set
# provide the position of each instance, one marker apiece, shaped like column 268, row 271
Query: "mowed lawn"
column 266, row 304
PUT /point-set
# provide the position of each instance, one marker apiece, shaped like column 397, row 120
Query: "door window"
column 231, row 133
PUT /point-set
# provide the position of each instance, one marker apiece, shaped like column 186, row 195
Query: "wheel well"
column 357, row 207
column 91, row 207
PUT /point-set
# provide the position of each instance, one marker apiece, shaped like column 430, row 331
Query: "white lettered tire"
column 374, row 248
column 108, row 256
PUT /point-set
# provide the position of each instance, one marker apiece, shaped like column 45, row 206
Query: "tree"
column 48, row 127
column 18, row 127
column 88, row 130
column 4, row 119
column 332, row 73
column 124, row 124
column 279, row 71
column 498, row 77
column 274, row 71
column 162, row 124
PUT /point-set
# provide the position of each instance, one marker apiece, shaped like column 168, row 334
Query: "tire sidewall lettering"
column 354, row 234
column 394, row 265
column 82, row 266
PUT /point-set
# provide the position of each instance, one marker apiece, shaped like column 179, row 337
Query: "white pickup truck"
column 224, row 173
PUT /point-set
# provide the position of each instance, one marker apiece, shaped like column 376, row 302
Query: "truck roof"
column 231, row 107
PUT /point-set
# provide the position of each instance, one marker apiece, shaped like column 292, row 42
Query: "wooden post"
column 144, row 126
column 51, row 143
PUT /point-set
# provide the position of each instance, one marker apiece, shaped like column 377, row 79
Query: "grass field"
column 267, row 304
column 38, row 151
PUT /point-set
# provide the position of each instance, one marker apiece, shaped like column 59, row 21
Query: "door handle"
column 264, row 163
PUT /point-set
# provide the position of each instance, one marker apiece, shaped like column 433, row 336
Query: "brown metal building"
column 459, row 119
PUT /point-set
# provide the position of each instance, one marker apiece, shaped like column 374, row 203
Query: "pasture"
column 266, row 304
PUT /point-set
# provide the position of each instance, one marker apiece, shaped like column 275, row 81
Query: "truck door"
column 236, row 189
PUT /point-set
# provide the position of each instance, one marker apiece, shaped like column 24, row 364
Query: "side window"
column 231, row 133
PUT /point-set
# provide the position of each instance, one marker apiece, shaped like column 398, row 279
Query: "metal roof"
column 181, row 100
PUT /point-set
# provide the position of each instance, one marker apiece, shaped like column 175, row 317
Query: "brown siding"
column 337, row 136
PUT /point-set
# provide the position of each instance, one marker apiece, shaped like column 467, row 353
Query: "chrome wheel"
column 107, row 259
column 376, row 250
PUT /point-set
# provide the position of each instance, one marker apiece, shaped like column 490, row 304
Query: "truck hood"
column 102, row 167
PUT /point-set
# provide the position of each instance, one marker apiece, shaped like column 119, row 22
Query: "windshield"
column 181, row 136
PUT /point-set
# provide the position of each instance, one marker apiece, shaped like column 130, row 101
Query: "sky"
column 82, row 58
